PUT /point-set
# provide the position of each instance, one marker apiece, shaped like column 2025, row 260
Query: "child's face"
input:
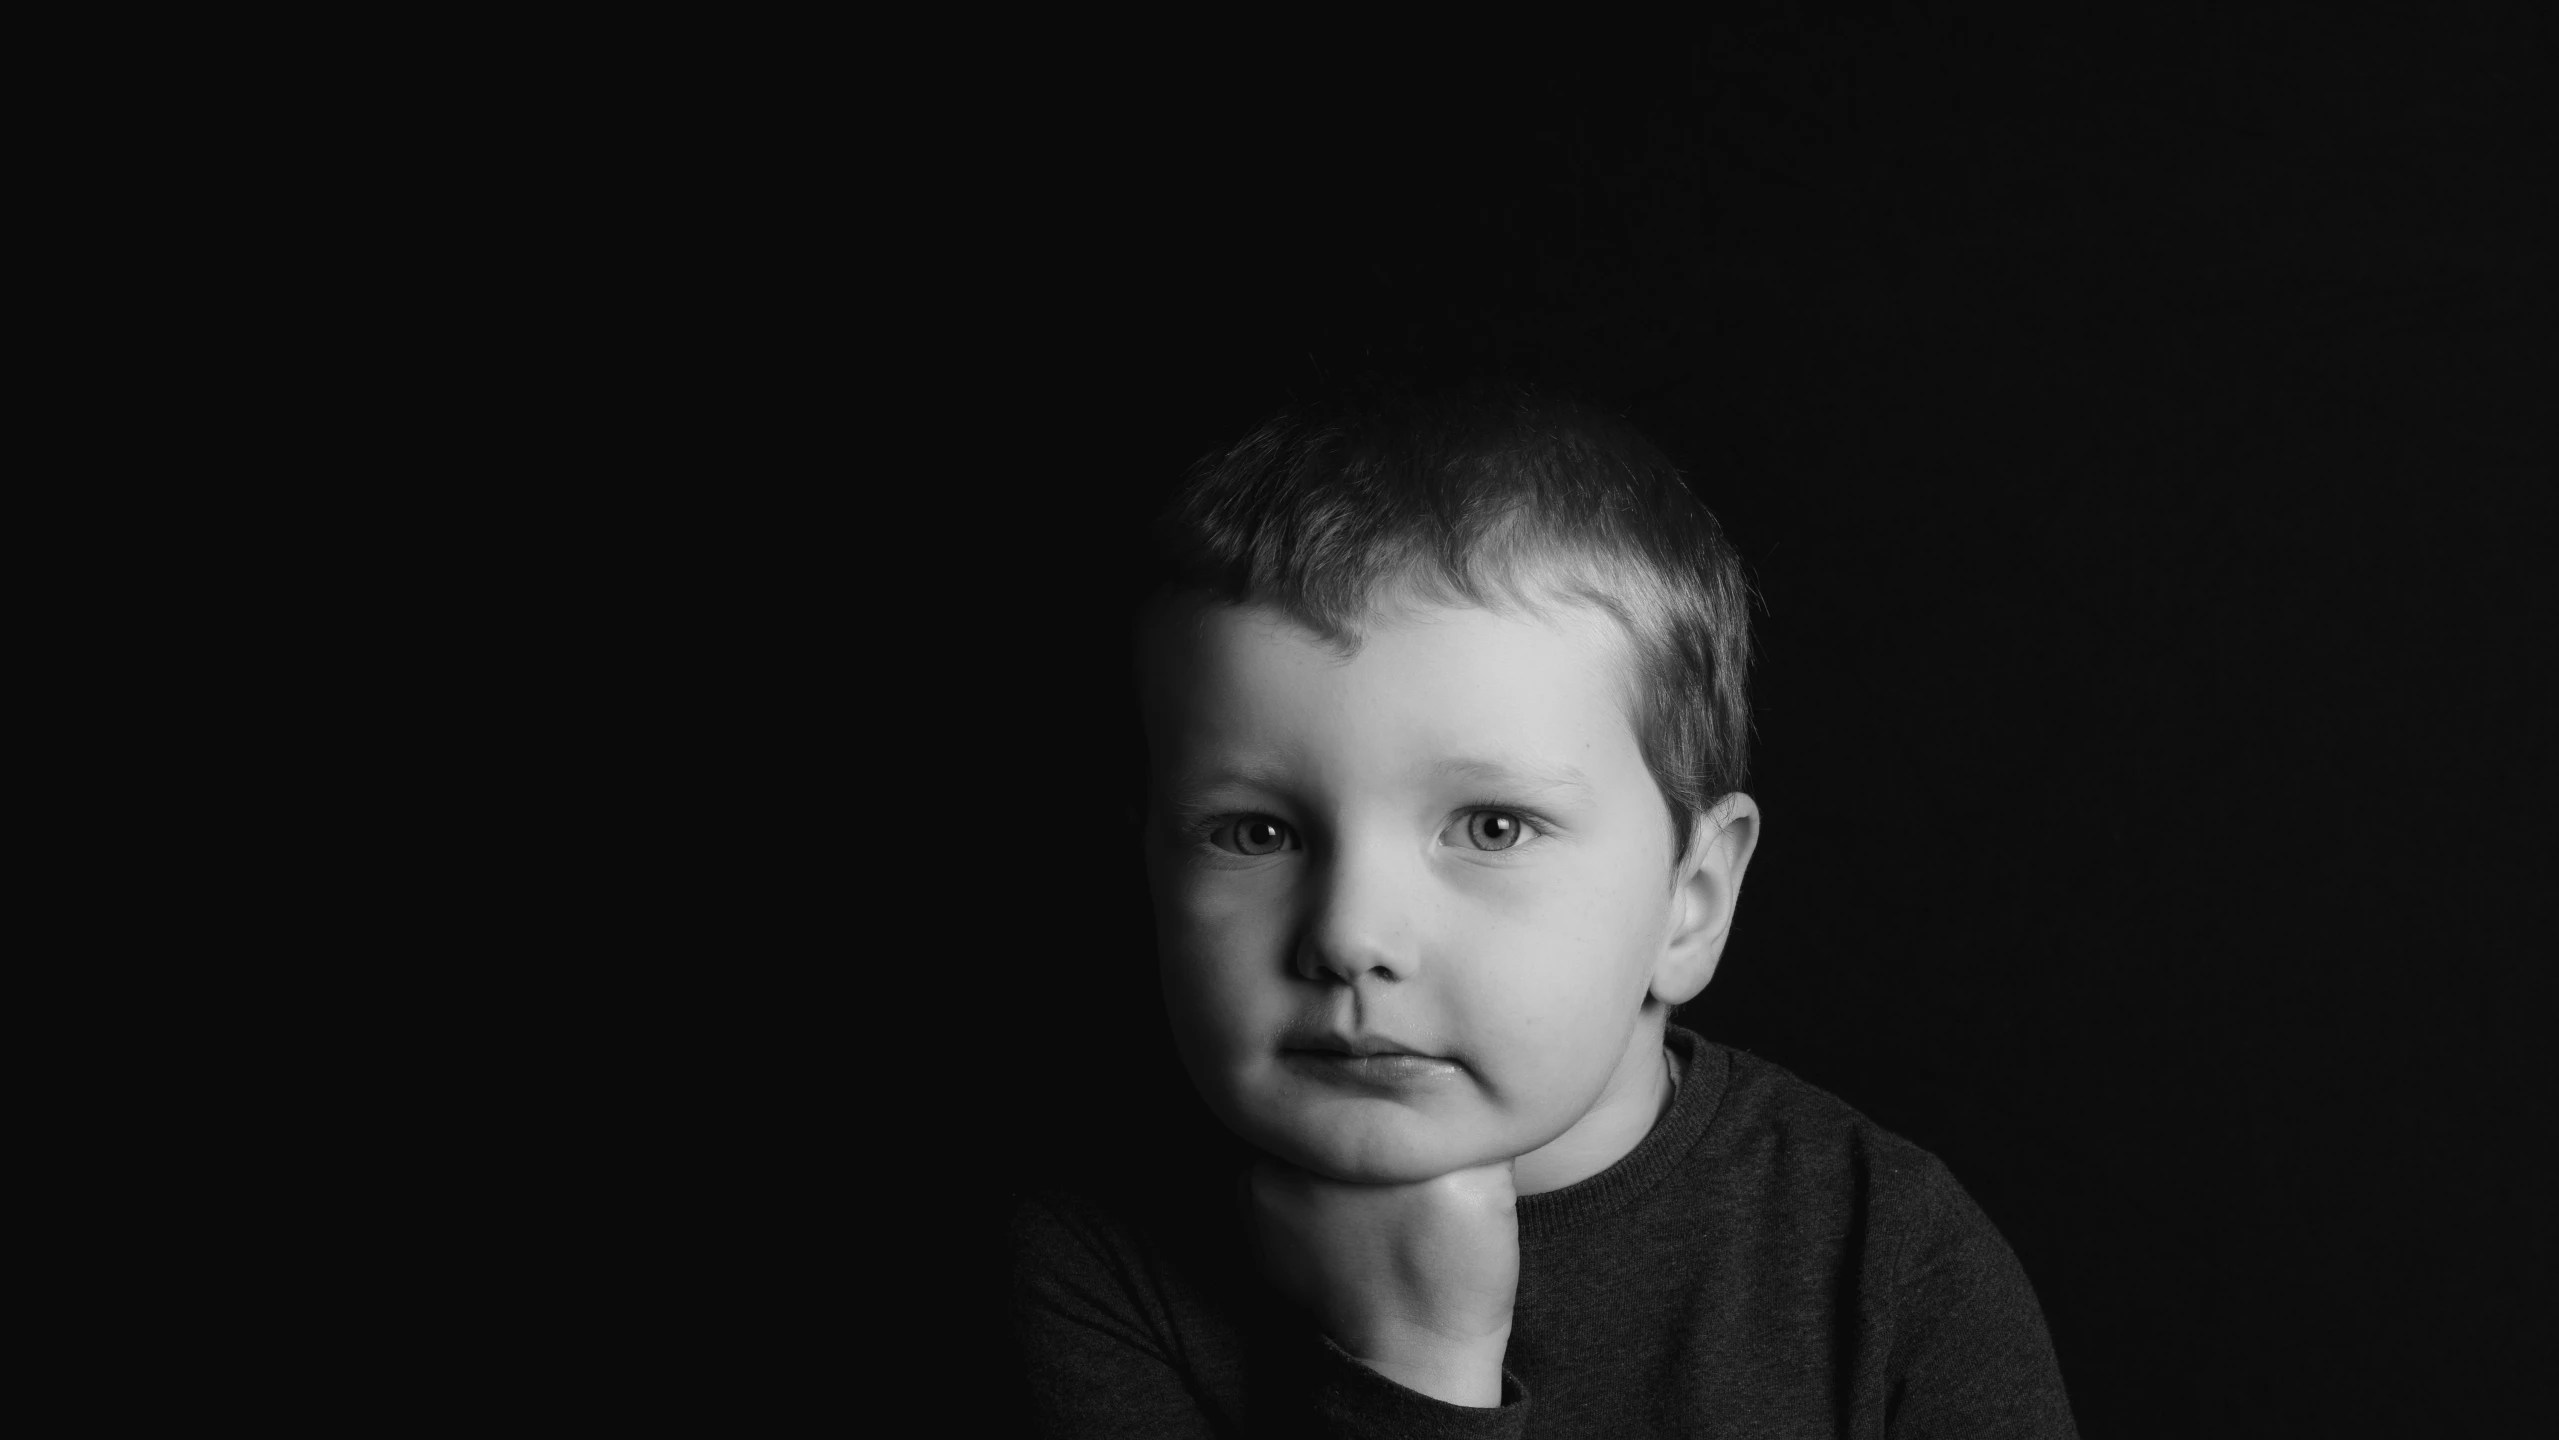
column 1446, row 846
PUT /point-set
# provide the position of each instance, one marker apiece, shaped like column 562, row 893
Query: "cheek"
column 1222, row 941
column 1555, row 986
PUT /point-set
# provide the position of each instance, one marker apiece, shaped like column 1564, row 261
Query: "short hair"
column 1488, row 497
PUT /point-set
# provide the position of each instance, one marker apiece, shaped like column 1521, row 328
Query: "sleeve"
column 1352, row 1402
column 1100, row 1361
column 1971, row 1357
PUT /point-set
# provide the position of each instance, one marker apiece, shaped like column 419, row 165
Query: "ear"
column 1709, row 885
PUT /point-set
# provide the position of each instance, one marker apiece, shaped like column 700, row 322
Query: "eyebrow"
column 1262, row 774
column 1201, row 791
column 1189, row 791
column 1511, row 772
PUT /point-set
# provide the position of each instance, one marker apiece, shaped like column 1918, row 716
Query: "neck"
column 1636, row 1095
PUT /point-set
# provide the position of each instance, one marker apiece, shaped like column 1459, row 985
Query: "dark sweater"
column 1767, row 1262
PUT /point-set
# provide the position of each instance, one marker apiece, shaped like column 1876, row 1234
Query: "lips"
column 1370, row 1061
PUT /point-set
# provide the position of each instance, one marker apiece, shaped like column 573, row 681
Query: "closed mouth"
column 1372, row 1066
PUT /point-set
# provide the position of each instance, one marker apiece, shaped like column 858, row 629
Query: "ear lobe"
column 1709, row 890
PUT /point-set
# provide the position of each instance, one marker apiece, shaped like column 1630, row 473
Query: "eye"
column 1493, row 829
column 1253, row 835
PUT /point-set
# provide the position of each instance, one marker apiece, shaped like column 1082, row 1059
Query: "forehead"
column 1445, row 686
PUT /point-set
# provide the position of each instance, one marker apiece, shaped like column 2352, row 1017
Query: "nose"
column 1363, row 925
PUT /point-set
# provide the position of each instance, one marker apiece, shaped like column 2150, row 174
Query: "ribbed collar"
column 1705, row 1069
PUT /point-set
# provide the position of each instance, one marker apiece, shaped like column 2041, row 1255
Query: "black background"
column 2140, row 433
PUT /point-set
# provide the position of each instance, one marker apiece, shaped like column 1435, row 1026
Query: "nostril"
column 1325, row 971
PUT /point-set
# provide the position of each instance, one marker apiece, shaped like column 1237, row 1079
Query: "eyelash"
column 1211, row 830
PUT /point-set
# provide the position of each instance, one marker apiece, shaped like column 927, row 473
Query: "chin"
column 1393, row 1149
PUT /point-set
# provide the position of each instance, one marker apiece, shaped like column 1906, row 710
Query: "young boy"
column 1446, row 726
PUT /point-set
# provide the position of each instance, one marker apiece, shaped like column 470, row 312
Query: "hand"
column 1415, row 1281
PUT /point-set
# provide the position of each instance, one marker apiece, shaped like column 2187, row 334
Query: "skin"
column 1420, row 929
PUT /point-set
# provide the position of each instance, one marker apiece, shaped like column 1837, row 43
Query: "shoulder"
column 1811, row 1166
column 1058, row 1234
column 1130, row 1253
column 1054, row 1227
column 1767, row 1112
column 1128, row 1307
column 1793, row 1146
column 1947, row 1313
column 1079, row 1239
